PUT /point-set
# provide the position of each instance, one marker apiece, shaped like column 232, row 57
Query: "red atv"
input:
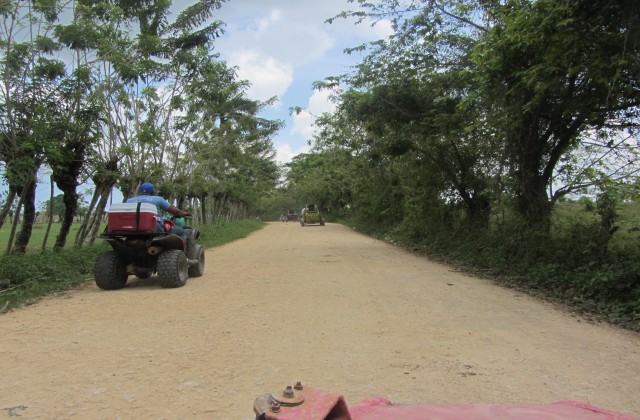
column 140, row 250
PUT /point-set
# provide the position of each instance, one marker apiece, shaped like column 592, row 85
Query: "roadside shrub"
column 221, row 232
column 587, row 203
column 24, row 278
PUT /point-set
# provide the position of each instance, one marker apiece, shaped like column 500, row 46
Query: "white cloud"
column 265, row 23
column 303, row 124
column 376, row 30
column 268, row 76
column 319, row 103
column 284, row 153
column 269, row 41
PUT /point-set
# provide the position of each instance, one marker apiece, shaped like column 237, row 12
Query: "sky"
column 281, row 47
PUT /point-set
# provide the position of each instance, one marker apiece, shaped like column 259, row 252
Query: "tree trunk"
column 66, row 175
column 50, row 221
column 94, row 218
column 98, row 216
column 28, row 218
column 606, row 208
column 203, row 208
column 104, row 180
column 223, row 206
column 477, row 208
column 84, row 226
column 6, row 208
column 532, row 201
column 70, row 199
column 14, row 224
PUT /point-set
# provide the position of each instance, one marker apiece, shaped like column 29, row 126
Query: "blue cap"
column 147, row 188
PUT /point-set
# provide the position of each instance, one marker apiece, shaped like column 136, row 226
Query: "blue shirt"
column 160, row 203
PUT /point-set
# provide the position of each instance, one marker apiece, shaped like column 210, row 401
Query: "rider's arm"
column 176, row 211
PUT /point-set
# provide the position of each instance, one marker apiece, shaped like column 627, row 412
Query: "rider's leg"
column 177, row 230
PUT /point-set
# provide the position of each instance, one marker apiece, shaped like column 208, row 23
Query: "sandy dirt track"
column 325, row 305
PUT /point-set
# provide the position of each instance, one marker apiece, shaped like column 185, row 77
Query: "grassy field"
column 37, row 236
column 625, row 238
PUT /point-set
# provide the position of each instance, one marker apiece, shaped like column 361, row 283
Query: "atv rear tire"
column 172, row 268
column 197, row 270
column 110, row 271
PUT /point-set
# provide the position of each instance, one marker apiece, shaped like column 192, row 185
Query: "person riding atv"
column 144, row 242
column 147, row 195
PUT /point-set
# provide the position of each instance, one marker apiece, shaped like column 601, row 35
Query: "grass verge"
column 24, row 279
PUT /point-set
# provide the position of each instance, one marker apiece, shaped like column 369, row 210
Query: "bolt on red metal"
column 274, row 407
column 288, row 392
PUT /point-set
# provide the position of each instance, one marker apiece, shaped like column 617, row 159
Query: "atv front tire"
column 110, row 271
column 192, row 235
column 197, row 270
column 173, row 268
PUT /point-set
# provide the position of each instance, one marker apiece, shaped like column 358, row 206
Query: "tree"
column 228, row 143
column 29, row 77
column 550, row 71
column 412, row 94
column 531, row 80
column 138, row 63
column 58, row 206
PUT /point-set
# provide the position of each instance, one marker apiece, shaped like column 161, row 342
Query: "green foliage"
column 58, row 206
column 49, row 8
column 196, row 14
column 556, row 69
column 220, row 233
column 25, row 278
column 587, row 203
column 108, row 111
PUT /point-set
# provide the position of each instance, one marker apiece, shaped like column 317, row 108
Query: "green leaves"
column 79, row 35
column 49, row 9
column 46, row 44
column 195, row 15
column 49, row 69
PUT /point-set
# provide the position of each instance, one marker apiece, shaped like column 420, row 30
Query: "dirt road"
column 325, row 305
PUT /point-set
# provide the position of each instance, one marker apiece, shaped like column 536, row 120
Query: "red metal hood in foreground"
column 304, row 403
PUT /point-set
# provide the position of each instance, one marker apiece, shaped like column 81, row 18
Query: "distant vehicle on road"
column 311, row 215
column 292, row 216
